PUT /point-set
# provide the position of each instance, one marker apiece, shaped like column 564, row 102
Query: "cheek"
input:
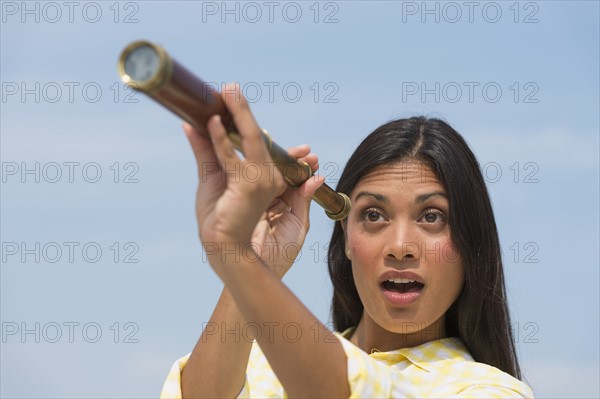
column 359, row 258
column 449, row 254
column 364, row 250
column 451, row 271
column 364, row 256
column 445, row 268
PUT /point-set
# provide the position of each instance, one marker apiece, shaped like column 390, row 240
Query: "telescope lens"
column 142, row 63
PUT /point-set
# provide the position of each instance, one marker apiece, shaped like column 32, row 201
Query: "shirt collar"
column 426, row 356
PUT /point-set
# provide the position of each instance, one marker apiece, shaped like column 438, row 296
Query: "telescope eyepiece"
column 145, row 66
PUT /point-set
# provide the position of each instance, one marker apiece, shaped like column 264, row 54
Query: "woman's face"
column 406, row 270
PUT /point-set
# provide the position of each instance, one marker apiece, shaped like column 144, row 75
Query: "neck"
column 370, row 336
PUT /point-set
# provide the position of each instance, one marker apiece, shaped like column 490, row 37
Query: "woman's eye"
column 372, row 215
column 433, row 216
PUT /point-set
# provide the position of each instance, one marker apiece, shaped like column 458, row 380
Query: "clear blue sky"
column 118, row 251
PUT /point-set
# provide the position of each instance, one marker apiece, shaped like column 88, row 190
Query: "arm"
column 308, row 362
column 227, row 216
column 217, row 365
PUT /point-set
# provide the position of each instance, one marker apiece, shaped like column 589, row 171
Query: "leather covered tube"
column 146, row 67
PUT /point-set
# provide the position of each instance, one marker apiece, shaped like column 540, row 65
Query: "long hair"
column 479, row 316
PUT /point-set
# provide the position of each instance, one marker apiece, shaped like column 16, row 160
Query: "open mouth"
column 402, row 286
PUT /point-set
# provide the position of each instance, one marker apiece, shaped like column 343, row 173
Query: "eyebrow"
column 378, row 197
column 382, row 198
column 424, row 197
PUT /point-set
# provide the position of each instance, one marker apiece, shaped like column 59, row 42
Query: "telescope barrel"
column 148, row 68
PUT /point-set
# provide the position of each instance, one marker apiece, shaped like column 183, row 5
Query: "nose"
column 402, row 243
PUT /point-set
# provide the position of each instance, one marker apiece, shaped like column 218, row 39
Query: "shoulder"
column 438, row 368
column 452, row 357
column 172, row 385
column 261, row 381
column 260, row 377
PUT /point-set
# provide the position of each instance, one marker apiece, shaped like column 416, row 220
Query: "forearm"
column 310, row 364
column 217, row 365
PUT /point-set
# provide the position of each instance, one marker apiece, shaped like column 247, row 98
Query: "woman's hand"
column 233, row 210
column 243, row 206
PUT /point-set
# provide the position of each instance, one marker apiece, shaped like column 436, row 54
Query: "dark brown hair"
column 480, row 314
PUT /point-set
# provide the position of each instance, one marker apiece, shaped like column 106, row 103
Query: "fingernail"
column 230, row 86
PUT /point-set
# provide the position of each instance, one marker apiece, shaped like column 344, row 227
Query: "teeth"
column 401, row 280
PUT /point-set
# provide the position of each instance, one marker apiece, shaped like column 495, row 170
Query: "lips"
column 401, row 288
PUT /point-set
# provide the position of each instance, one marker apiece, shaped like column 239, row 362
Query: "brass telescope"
column 148, row 68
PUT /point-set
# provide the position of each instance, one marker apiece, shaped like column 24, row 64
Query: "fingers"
column 299, row 151
column 254, row 149
column 302, row 153
column 253, row 145
column 296, row 201
column 202, row 149
column 299, row 199
column 277, row 207
column 223, row 148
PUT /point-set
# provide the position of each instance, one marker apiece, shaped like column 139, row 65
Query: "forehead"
column 401, row 175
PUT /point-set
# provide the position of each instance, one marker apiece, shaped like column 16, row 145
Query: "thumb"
column 301, row 198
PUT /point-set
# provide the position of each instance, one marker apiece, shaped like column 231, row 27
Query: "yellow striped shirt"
column 441, row 368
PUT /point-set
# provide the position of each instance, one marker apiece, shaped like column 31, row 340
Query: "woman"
column 418, row 284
